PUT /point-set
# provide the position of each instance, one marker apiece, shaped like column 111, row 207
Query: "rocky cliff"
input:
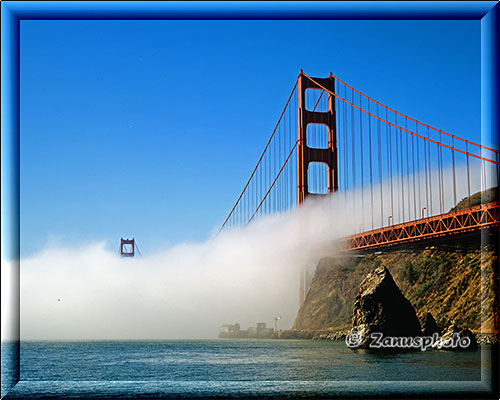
column 454, row 281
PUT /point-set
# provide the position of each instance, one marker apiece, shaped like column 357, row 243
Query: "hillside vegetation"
column 486, row 196
column 451, row 281
column 455, row 280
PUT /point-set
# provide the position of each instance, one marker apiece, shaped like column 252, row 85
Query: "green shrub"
column 409, row 272
column 421, row 289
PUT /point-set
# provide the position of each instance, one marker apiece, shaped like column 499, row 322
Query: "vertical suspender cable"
column 244, row 208
column 402, row 173
column 389, row 168
column 396, row 153
column 277, row 167
column 362, row 162
column 379, row 143
column 430, row 172
column 439, row 178
column 289, row 181
column 413, row 173
column 370, row 149
column 353, row 154
column 468, row 175
column 281, row 160
column 419, row 174
column 407, row 171
column 344, row 151
column 426, row 180
column 454, row 176
column 441, row 183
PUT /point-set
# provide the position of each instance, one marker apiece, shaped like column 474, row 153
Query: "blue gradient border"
column 12, row 12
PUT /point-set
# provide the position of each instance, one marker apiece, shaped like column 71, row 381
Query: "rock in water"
column 430, row 326
column 380, row 307
column 455, row 338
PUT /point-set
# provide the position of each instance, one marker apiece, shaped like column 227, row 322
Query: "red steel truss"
column 456, row 222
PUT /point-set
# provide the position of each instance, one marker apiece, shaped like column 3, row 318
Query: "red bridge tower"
column 308, row 154
column 127, row 247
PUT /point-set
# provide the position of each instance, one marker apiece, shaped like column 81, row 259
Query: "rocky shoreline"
column 310, row 334
column 487, row 338
column 384, row 318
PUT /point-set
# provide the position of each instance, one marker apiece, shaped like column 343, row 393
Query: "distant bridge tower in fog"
column 128, row 247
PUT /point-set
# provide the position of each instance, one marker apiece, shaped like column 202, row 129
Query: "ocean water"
column 204, row 368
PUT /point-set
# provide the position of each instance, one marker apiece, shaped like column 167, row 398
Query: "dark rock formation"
column 380, row 307
column 430, row 326
column 456, row 338
column 455, row 280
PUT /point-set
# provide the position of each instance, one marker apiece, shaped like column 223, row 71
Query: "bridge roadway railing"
column 451, row 223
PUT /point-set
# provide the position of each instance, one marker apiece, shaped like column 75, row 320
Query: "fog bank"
column 188, row 290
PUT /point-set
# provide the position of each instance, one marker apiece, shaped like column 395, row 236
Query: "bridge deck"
column 451, row 223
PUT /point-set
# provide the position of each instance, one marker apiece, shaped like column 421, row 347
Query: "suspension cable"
column 262, row 155
column 407, row 131
column 414, row 120
column 275, row 179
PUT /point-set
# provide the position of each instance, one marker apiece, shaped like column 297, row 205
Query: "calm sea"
column 292, row 368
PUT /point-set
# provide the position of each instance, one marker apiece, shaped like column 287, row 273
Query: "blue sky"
column 151, row 128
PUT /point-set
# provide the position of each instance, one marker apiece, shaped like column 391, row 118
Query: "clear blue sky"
column 151, row 128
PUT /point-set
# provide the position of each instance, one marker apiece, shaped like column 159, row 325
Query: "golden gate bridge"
column 400, row 178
